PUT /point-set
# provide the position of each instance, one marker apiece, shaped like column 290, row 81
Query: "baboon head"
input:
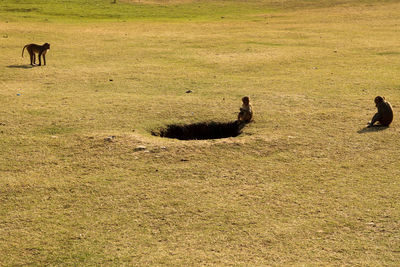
column 246, row 100
column 379, row 99
column 46, row 46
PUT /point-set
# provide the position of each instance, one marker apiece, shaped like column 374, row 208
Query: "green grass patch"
column 106, row 10
column 56, row 129
column 388, row 53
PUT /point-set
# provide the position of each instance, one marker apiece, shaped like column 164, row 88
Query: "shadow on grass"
column 375, row 128
column 20, row 66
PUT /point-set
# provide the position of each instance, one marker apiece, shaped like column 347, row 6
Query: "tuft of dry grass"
column 83, row 181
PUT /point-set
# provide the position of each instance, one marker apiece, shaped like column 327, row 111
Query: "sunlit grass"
column 83, row 181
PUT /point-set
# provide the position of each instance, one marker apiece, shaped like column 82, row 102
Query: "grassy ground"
column 305, row 184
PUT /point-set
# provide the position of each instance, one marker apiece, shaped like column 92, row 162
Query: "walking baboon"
column 385, row 112
column 246, row 111
column 34, row 49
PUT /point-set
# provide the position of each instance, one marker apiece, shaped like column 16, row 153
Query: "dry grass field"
column 306, row 184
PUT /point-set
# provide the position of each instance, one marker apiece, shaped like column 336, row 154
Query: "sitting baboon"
column 385, row 112
column 34, row 49
column 246, row 111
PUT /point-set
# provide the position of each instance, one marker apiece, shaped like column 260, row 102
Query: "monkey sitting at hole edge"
column 246, row 111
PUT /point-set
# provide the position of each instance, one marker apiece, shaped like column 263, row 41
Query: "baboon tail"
column 23, row 50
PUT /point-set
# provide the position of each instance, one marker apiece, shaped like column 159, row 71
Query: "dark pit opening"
column 201, row 130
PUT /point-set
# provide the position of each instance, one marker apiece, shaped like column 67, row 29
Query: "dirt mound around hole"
column 201, row 130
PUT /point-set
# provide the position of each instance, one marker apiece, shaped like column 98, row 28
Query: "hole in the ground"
column 201, row 130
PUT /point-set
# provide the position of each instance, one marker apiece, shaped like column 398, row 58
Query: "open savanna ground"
column 305, row 184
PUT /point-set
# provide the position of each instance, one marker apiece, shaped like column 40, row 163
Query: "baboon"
column 246, row 111
column 34, row 49
column 385, row 112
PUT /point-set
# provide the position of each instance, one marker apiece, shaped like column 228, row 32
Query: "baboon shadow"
column 375, row 128
column 20, row 66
